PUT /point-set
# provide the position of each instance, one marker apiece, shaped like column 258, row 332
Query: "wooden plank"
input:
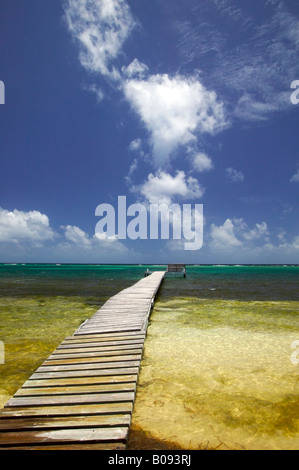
column 96, row 360
column 69, row 410
column 95, row 354
column 121, row 314
column 65, row 381
column 107, row 336
column 122, row 308
column 111, row 326
column 106, row 329
column 104, row 365
column 132, row 321
column 128, row 320
column 85, row 373
column 63, row 436
column 76, row 390
column 95, row 344
column 86, row 446
column 129, row 298
column 97, row 349
column 114, row 324
column 72, row 399
column 27, row 424
column 97, row 340
column 113, row 330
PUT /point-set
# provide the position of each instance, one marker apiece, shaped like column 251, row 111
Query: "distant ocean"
column 217, row 370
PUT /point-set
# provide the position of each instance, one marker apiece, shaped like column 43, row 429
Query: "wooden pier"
column 82, row 396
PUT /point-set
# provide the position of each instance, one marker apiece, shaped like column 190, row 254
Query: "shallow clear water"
column 217, row 369
column 218, row 374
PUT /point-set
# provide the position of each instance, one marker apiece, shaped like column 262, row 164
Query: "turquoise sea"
column 217, row 370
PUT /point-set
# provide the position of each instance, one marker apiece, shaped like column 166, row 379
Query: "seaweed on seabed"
column 142, row 440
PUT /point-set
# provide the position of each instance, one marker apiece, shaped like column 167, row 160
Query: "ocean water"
column 217, row 370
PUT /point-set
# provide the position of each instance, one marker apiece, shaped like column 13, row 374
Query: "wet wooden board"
column 74, row 410
column 82, row 396
column 98, row 434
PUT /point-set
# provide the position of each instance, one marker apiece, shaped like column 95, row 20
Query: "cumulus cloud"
column 260, row 230
column 78, row 239
column 17, row 226
column 162, row 187
column 295, row 178
column 235, row 175
column 174, row 110
column 223, row 237
column 28, row 237
column 235, row 233
column 77, row 236
column 101, row 28
column 202, row 162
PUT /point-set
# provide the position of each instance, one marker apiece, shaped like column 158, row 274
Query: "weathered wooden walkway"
column 82, row 396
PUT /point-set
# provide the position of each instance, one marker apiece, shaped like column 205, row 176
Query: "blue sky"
column 180, row 101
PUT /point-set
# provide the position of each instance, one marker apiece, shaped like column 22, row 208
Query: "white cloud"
column 135, row 145
column 28, row 237
column 17, row 226
column 77, row 239
column 101, row 27
column 235, row 233
column 281, row 235
column 132, row 169
column 295, row 178
column 96, row 90
column 250, row 108
column 223, row 237
column 259, row 231
column 135, row 69
column 77, row 236
column 295, row 243
column 162, row 187
column 174, row 110
column 234, row 175
column 202, row 162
